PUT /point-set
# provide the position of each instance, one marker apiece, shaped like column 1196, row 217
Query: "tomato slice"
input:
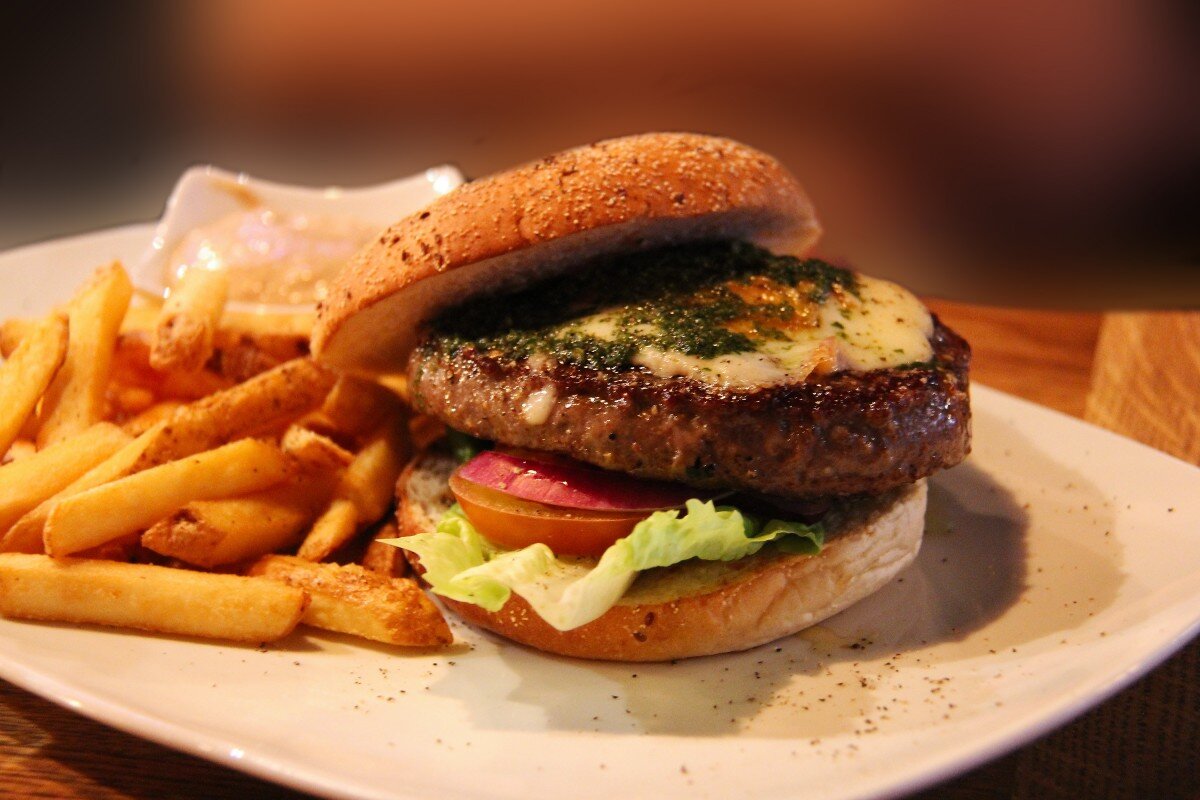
column 560, row 482
column 514, row 523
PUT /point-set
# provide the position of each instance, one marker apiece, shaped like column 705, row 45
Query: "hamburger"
column 669, row 431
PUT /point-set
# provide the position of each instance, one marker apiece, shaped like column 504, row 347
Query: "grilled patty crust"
column 840, row 434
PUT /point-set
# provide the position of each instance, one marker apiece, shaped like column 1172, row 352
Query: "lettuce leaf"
column 568, row 592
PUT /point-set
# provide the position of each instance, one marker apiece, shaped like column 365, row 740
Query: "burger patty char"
column 840, row 434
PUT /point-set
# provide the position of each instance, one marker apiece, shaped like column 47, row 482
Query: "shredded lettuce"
column 568, row 592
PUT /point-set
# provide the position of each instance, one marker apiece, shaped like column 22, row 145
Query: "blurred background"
column 1007, row 151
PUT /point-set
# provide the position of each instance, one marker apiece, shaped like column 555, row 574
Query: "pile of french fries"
column 179, row 468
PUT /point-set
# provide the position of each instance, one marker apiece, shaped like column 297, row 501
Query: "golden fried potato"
column 137, row 501
column 353, row 600
column 183, row 335
column 333, row 528
column 383, row 558
column 314, row 450
column 148, row 598
column 26, row 534
column 75, row 399
column 364, row 493
column 27, row 372
column 212, row 533
column 265, row 402
column 26, row 483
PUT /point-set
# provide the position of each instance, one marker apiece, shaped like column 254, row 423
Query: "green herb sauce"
column 705, row 299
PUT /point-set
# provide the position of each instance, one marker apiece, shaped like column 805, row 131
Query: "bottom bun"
column 698, row 607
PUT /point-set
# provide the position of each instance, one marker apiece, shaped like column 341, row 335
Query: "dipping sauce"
column 272, row 258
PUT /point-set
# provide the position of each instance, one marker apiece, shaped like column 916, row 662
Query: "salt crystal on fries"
column 27, row 373
column 183, row 335
column 26, row 483
column 75, row 399
column 149, row 598
column 137, row 501
column 212, row 533
column 353, row 600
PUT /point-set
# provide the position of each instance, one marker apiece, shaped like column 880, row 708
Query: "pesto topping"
column 702, row 300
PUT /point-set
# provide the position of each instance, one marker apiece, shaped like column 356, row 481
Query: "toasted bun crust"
column 546, row 216
column 701, row 608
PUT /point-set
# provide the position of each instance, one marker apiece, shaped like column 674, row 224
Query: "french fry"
column 383, row 558
column 137, row 501
column 75, row 398
column 336, row 526
column 296, row 325
column 270, row 399
column 26, row 483
column 244, row 355
column 131, row 367
column 211, row 533
column 183, row 335
column 143, row 312
column 13, row 331
column 397, row 384
column 358, row 407
column 236, row 357
column 149, row 598
column 350, row 599
column 26, row 535
column 27, row 373
column 370, row 480
column 120, row 549
column 265, row 402
column 144, row 421
column 314, row 450
column 19, row 450
column 129, row 401
column 365, row 492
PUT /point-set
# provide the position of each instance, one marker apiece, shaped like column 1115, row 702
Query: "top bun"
column 537, row 220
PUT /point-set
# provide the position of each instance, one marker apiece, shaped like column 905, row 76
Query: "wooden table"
column 1142, row 743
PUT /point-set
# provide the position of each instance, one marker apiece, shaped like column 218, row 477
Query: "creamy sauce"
column 271, row 257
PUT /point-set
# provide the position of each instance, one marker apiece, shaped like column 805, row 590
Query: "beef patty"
column 841, row 434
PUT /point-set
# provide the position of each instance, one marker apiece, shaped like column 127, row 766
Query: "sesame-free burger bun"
column 549, row 216
column 701, row 607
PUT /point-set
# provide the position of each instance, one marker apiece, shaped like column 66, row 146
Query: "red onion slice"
column 570, row 485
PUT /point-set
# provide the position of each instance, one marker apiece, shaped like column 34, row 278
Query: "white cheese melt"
column 538, row 405
column 884, row 326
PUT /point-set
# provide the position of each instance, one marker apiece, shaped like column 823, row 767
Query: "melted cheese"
column 884, row 326
column 538, row 405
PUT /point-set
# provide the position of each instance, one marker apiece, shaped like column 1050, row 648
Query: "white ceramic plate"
column 1061, row 563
